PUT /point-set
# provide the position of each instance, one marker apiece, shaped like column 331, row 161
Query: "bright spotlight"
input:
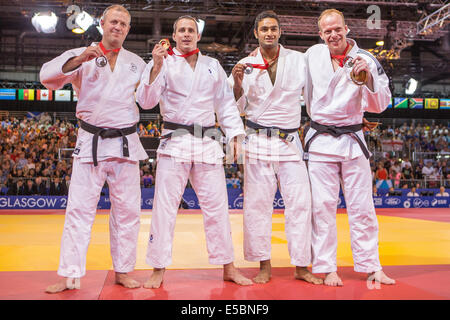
column 45, row 22
column 77, row 30
column 411, row 86
column 100, row 30
column 84, row 20
column 200, row 25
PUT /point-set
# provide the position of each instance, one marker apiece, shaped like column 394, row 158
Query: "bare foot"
column 155, row 279
column 265, row 272
column 332, row 279
column 125, row 280
column 64, row 284
column 381, row 277
column 302, row 273
column 230, row 273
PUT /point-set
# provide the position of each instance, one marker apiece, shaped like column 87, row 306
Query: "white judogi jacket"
column 333, row 99
column 273, row 105
column 188, row 97
column 105, row 99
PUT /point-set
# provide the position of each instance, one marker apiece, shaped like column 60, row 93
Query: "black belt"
column 107, row 133
column 335, row 132
column 194, row 130
column 283, row 134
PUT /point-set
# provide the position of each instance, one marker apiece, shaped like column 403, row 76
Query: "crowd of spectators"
column 29, row 155
column 394, row 148
column 30, row 162
column 152, row 129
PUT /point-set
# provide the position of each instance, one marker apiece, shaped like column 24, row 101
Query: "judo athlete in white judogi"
column 105, row 77
column 336, row 149
column 190, row 89
column 269, row 97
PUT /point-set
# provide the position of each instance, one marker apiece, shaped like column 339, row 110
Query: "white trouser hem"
column 323, row 269
column 256, row 259
column 367, row 270
column 301, row 263
column 157, row 265
column 221, row 262
column 66, row 274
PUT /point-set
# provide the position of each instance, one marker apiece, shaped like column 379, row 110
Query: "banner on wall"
column 235, row 201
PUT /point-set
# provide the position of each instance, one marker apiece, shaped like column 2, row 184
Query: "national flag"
column 33, row 115
column 75, row 96
column 7, row 94
column 26, row 94
column 44, row 95
column 416, row 103
column 62, row 95
column 431, row 103
column 400, row 103
column 444, row 103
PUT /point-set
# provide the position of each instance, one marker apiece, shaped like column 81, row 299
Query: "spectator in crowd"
column 41, row 187
column 391, row 192
column 428, row 170
column 57, row 188
column 442, row 192
column 30, row 188
column 395, row 177
column 407, row 172
column 16, row 188
column 3, row 179
column 412, row 193
column 381, row 177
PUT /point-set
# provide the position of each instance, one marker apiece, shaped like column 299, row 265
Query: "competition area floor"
column 414, row 249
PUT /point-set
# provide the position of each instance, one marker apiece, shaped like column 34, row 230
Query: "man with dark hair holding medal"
column 267, row 88
column 105, row 76
column 342, row 83
column 191, row 90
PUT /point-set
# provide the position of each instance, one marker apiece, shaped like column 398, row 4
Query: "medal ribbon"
column 172, row 53
column 166, row 42
column 340, row 57
column 107, row 51
column 266, row 64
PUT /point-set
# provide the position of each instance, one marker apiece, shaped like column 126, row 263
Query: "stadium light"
column 77, row 30
column 84, row 20
column 411, row 86
column 45, row 22
column 201, row 25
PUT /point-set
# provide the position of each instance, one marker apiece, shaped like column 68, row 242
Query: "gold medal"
column 165, row 43
column 360, row 78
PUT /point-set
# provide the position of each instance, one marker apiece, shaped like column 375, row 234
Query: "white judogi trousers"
column 208, row 181
column 260, row 186
column 357, row 186
column 125, row 195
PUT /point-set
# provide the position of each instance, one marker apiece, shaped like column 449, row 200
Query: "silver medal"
column 101, row 61
column 248, row 69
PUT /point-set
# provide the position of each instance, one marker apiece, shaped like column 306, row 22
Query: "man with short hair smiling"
column 269, row 98
column 336, row 149
column 191, row 90
column 105, row 76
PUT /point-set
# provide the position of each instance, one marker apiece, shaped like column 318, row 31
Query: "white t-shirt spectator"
column 427, row 171
column 444, row 194
column 412, row 194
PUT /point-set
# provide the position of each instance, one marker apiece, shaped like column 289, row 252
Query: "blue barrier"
column 235, row 201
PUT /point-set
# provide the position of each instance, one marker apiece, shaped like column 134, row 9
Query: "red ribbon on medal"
column 340, row 57
column 107, row 51
column 166, row 45
column 266, row 64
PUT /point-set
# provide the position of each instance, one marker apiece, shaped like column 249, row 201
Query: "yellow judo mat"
column 32, row 242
